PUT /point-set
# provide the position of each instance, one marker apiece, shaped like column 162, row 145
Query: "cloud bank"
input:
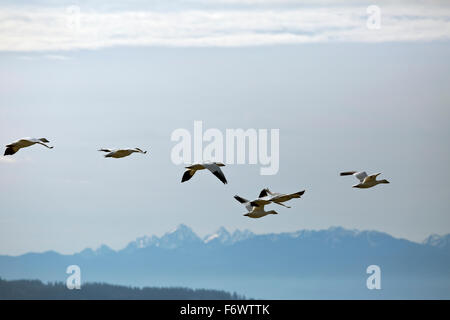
column 68, row 28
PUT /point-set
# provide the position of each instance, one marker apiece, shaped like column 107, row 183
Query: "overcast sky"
column 344, row 97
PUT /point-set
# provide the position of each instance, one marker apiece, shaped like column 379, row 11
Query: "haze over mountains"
column 328, row 263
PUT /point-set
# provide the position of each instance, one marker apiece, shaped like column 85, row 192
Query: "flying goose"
column 365, row 181
column 255, row 208
column 23, row 143
column 279, row 198
column 121, row 153
column 214, row 167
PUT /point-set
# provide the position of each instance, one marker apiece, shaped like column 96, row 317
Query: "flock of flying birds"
column 255, row 208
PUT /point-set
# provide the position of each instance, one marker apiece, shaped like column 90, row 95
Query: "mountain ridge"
column 298, row 264
column 183, row 235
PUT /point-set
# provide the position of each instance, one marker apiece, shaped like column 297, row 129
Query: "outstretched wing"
column 10, row 150
column 105, row 150
column 347, row 173
column 245, row 202
column 259, row 203
column 140, row 150
column 263, row 193
column 287, row 197
column 215, row 170
column 188, row 174
column 359, row 175
column 372, row 177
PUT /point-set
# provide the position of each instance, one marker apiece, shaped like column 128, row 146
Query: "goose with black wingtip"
column 279, row 198
column 365, row 181
column 121, row 153
column 213, row 167
column 14, row 147
column 255, row 208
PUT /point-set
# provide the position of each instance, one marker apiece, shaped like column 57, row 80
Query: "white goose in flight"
column 255, row 208
column 279, row 198
column 12, row 148
column 214, row 167
column 365, row 181
column 121, row 153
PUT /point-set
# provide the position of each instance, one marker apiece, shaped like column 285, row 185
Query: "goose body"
column 365, row 181
column 255, row 208
column 213, row 167
column 14, row 147
column 121, row 153
column 279, row 198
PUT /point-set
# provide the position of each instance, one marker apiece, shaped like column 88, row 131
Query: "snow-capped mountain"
column 328, row 263
column 438, row 241
column 184, row 236
column 224, row 237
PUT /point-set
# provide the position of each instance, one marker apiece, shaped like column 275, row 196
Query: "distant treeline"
column 35, row 289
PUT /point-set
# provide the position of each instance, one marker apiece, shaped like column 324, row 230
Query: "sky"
column 344, row 97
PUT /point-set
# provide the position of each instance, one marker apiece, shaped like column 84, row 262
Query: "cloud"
column 46, row 56
column 56, row 57
column 71, row 28
column 26, row 58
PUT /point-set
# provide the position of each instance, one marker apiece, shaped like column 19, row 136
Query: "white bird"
column 120, row 153
column 279, row 198
column 214, row 167
column 23, row 143
column 255, row 208
column 365, row 181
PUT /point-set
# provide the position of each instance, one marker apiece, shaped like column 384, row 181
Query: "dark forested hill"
column 35, row 289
